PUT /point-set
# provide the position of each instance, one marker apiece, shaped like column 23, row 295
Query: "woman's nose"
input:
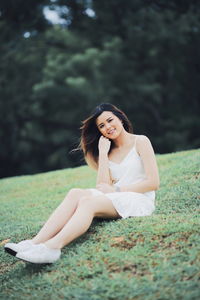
column 108, row 125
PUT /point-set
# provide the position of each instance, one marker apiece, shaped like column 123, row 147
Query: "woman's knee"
column 86, row 202
column 75, row 192
column 78, row 193
column 73, row 195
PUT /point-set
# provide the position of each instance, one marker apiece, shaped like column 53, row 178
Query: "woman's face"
column 109, row 125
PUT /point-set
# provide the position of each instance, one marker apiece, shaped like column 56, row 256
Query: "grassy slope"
column 155, row 257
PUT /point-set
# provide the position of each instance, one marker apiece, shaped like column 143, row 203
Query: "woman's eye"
column 110, row 120
column 101, row 126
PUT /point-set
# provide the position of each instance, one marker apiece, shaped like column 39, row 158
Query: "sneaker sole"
column 30, row 262
column 10, row 251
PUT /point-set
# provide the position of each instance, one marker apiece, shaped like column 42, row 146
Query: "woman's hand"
column 105, row 188
column 104, row 145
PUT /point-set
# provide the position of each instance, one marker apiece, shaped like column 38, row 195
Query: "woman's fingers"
column 104, row 144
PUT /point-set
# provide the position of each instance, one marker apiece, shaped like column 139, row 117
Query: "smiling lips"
column 111, row 131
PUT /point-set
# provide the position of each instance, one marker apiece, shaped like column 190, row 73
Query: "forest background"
column 141, row 55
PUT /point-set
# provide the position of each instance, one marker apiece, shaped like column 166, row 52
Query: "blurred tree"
column 141, row 55
column 159, row 72
column 75, row 79
column 20, row 67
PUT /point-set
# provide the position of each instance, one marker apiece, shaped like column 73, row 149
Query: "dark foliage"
column 142, row 56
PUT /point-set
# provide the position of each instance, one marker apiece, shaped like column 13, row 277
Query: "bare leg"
column 60, row 216
column 88, row 208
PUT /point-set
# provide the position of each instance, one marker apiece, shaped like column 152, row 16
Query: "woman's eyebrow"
column 102, row 122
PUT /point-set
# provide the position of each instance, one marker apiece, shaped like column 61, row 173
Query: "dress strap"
column 135, row 142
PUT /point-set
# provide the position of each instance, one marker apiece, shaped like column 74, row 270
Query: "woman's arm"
column 103, row 173
column 152, row 180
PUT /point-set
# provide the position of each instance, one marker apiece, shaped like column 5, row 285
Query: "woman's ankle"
column 53, row 245
column 36, row 241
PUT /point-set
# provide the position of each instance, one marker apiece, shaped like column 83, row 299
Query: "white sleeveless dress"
column 129, row 171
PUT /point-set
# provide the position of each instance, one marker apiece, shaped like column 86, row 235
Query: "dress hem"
column 134, row 205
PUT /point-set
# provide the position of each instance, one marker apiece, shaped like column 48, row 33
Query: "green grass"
column 142, row 258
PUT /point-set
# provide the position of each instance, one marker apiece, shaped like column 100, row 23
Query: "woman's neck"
column 124, row 139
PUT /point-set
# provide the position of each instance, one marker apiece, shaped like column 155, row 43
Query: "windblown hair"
column 90, row 133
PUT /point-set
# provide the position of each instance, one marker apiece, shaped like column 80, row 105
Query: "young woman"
column 127, row 177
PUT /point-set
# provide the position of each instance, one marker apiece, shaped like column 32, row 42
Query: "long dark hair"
column 90, row 133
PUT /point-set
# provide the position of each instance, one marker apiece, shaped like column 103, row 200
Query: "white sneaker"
column 40, row 254
column 13, row 248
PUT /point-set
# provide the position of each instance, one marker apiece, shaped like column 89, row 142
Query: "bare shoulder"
column 142, row 143
column 142, row 139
